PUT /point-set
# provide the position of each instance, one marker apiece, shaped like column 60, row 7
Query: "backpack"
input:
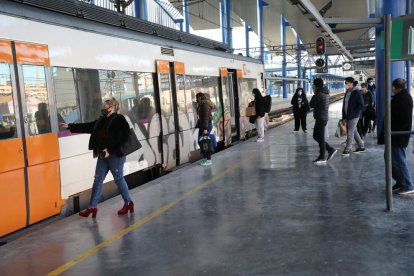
column 205, row 144
column 267, row 103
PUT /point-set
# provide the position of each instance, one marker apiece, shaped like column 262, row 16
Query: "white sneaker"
column 260, row 140
column 295, row 131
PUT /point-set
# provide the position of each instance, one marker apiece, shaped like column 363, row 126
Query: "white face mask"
column 300, row 93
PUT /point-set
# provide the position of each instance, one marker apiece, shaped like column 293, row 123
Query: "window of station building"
column 37, row 107
column 66, row 97
column 7, row 117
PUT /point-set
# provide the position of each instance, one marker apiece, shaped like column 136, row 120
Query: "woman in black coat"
column 108, row 134
column 300, row 109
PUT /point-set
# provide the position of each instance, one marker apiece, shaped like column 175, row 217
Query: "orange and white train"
column 59, row 68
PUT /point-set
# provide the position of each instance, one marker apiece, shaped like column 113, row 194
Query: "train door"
column 29, row 168
column 169, row 121
column 225, row 97
column 234, row 104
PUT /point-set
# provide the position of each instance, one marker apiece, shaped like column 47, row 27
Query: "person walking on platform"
column 300, row 109
column 367, row 113
column 108, row 134
column 372, row 88
column 320, row 105
column 352, row 107
column 204, row 123
column 259, row 106
column 401, row 120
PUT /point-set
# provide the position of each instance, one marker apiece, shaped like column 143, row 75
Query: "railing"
column 160, row 12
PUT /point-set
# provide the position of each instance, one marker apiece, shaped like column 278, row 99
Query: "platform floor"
column 260, row 209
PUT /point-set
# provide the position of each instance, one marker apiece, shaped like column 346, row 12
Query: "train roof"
column 90, row 18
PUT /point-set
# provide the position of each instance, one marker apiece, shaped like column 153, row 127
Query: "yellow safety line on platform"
column 151, row 216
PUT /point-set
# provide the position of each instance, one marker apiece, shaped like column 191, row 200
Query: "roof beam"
column 339, row 20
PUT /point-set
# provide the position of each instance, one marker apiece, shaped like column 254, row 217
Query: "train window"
column 7, row 118
column 35, row 89
column 66, row 98
column 165, row 95
column 118, row 85
column 143, row 105
column 210, row 85
column 89, row 94
column 181, row 101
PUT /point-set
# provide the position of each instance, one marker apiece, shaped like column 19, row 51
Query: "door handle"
column 20, row 150
column 26, row 119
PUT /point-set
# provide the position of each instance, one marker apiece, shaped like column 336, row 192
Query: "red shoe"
column 127, row 207
column 85, row 213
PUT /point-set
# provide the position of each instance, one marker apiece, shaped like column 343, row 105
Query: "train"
column 56, row 67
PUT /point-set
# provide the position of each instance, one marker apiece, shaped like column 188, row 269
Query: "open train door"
column 225, row 98
column 29, row 166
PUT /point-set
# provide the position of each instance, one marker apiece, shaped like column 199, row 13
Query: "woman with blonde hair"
column 108, row 133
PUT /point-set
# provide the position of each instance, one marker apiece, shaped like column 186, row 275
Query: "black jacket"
column 355, row 105
column 401, row 117
column 115, row 127
column 320, row 104
column 204, row 114
column 368, row 100
column 259, row 104
column 294, row 102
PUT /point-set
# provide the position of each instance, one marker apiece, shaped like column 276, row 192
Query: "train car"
column 59, row 68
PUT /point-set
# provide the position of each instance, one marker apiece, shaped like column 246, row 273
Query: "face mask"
column 104, row 112
column 300, row 93
column 347, row 86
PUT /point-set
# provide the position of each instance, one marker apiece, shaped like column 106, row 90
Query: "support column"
column 284, row 63
column 299, row 58
column 186, row 12
column 396, row 8
column 141, row 11
column 261, row 4
column 408, row 62
column 229, row 27
column 247, row 30
column 223, row 23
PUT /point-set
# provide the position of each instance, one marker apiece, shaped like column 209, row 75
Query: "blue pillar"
column 248, row 30
column 261, row 4
column 229, row 27
column 396, row 8
column 223, row 23
column 299, row 58
column 408, row 62
column 310, row 81
column 141, row 9
column 284, row 63
column 186, row 12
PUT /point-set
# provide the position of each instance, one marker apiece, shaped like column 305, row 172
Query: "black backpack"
column 205, row 144
column 267, row 103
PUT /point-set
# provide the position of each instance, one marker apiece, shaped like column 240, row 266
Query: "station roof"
column 309, row 18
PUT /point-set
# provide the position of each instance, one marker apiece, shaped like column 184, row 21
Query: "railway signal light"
column 320, row 63
column 320, row 46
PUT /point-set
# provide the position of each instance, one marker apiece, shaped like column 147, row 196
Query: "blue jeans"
column 400, row 170
column 114, row 164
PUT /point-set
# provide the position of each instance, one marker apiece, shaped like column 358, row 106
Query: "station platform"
column 260, row 209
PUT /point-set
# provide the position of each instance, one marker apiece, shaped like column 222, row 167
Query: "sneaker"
column 359, row 150
column 259, row 140
column 319, row 161
column 332, row 154
column 405, row 191
column 346, row 153
column 203, row 162
column 396, row 187
column 305, row 131
column 206, row 163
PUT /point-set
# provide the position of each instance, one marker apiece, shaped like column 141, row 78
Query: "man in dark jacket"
column 320, row 105
column 259, row 105
column 352, row 107
column 401, row 120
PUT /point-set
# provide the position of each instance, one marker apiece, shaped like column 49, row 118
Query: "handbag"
column 342, row 127
column 205, row 144
column 250, row 110
column 131, row 144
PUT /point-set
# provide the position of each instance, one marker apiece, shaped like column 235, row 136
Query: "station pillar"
column 299, row 58
column 283, row 25
column 140, row 7
column 396, row 8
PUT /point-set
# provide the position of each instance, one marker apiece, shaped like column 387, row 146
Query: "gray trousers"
column 353, row 134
